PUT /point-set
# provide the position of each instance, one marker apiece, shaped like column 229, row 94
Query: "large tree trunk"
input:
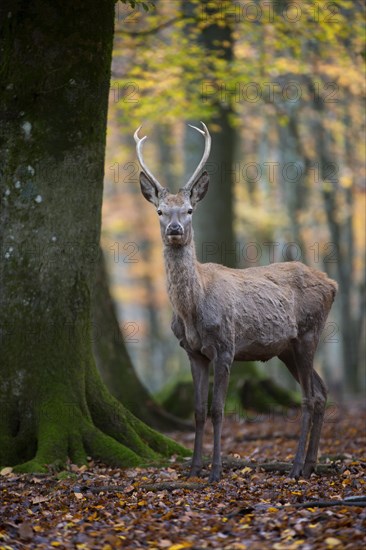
column 56, row 67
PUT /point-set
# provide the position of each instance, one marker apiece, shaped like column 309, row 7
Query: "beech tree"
column 56, row 61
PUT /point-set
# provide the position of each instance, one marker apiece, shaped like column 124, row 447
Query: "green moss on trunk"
column 64, row 411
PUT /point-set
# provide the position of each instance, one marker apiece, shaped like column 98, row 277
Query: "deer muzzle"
column 174, row 229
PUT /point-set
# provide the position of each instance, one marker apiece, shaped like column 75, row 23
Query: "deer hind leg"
column 299, row 361
column 200, row 367
column 320, row 398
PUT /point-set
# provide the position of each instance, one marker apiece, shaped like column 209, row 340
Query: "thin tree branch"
column 153, row 30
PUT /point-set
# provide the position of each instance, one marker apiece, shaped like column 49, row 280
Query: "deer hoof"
column 308, row 469
column 195, row 471
column 215, row 475
column 296, row 470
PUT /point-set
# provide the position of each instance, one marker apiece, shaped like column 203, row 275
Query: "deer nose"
column 174, row 228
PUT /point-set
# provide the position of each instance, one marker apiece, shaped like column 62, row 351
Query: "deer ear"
column 199, row 188
column 148, row 189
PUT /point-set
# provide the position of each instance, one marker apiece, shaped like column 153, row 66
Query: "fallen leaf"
column 40, row 498
column 180, row 545
column 164, row 543
column 331, row 542
column 25, row 531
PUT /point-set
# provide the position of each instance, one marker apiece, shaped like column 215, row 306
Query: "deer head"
column 175, row 210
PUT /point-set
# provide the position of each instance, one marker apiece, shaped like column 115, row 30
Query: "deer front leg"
column 200, row 367
column 221, row 379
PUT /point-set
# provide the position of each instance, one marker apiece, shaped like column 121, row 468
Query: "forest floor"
column 157, row 508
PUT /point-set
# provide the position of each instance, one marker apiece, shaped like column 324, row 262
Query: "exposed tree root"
column 159, row 486
column 359, row 501
column 112, row 418
column 99, row 427
column 106, row 449
column 282, row 467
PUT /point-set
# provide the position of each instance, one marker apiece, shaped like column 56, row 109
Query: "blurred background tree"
column 280, row 86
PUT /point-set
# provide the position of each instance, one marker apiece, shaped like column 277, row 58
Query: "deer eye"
column 159, row 212
column 190, row 210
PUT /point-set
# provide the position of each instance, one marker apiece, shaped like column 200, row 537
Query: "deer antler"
column 139, row 144
column 205, row 156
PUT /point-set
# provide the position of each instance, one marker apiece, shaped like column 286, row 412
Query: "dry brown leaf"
column 25, row 531
column 40, row 498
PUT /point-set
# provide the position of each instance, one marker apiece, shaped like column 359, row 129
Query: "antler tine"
column 139, row 143
column 198, row 129
column 205, row 156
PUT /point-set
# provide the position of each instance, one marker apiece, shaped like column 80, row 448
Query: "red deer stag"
column 221, row 315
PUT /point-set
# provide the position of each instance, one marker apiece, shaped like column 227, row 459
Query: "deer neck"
column 184, row 282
